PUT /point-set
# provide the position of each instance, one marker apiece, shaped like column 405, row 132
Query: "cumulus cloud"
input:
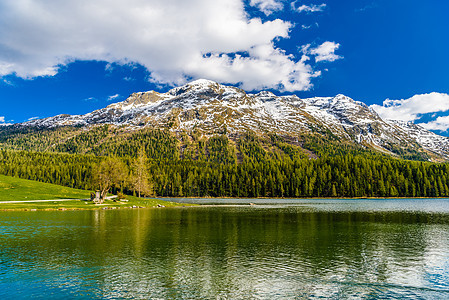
column 278, row 70
column 308, row 8
column 324, row 52
column 413, row 108
column 174, row 39
column 267, row 6
column 441, row 123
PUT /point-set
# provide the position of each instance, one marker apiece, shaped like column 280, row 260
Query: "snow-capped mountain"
column 428, row 140
column 209, row 107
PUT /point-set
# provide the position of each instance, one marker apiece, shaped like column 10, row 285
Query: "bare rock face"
column 142, row 98
column 209, row 107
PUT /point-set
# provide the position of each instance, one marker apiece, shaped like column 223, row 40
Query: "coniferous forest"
column 192, row 165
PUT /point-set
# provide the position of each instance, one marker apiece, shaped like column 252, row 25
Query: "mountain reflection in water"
column 230, row 252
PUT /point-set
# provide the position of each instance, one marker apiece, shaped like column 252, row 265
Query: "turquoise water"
column 365, row 249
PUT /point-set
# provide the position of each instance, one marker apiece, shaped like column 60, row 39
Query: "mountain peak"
column 202, row 82
column 199, row 85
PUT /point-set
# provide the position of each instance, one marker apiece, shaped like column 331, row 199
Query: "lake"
column 365, row 249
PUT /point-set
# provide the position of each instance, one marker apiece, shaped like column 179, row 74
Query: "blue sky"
column 78, row 55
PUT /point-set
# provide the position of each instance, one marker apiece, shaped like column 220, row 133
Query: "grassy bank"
column 16, row 189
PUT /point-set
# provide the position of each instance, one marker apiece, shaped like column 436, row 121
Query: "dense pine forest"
column 191, row 165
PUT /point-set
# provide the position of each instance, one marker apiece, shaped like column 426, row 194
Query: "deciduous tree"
column 140, row 180
column 109, row 173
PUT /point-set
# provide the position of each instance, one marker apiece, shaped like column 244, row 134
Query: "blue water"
column 418, row 205
column 363, row 249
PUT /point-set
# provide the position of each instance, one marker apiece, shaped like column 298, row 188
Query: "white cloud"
column 113, row 97
column 278, row 70
column 109, row 67
column 308, row 8
column 324, row 52
column 3, row 121
column 7, row 82
column 367, row 7
column 174, row 39
column 411, row 109
column 441, row 123
column 267, row 6
column 32, row 118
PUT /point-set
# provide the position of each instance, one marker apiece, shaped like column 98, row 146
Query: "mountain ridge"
column 209, row 107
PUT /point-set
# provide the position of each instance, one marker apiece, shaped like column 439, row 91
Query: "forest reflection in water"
column 233, row 252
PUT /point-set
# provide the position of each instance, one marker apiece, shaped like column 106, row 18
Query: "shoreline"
column 181, row 205
column 167, row 202
column 302, row 198
column 87, row 204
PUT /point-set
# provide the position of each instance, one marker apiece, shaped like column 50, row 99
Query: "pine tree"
column 334, row 191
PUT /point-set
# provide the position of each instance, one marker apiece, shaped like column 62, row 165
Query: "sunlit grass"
column 16, row 189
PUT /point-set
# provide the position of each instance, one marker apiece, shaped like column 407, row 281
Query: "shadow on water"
column 232, row 252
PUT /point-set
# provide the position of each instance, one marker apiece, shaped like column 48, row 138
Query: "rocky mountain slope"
column 208, row 107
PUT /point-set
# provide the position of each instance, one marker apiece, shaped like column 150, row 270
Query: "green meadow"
column 15, row 189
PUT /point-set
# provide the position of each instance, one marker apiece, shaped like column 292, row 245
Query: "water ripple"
column 236, row 253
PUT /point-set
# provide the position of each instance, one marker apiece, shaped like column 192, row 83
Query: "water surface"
column 317, row 248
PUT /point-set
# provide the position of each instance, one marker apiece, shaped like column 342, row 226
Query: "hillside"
column 260, row 168
column 16, row 189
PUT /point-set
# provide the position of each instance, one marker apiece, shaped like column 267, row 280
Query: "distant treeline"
column 247, row 166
